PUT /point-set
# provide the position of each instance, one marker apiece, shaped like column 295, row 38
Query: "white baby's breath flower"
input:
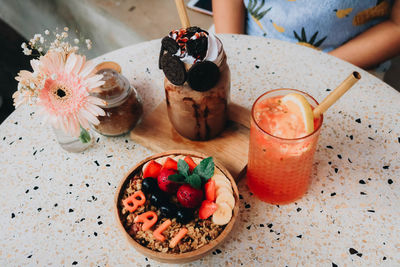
column 40, row 49
column 88, row 44
column 23, row 45
column 37, row 36
column 47, row 32
column 76, row 41
column 64, row 35
column 58, row 36
column 41, row 40
column 27, row 51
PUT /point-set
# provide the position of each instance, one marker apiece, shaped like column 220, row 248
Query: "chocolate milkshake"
column 197, row 83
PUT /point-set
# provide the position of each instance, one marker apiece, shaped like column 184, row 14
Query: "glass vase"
column 73, row 143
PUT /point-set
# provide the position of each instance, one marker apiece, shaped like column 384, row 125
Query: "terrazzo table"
column 57, row 207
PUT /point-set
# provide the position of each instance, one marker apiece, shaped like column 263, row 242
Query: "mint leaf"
column 178, row 178
column 183, row 168
column 194, row 180
column 205, row 169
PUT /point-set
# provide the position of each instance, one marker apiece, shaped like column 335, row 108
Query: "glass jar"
column 71, row 143
column 198, row 115
column 124, row 108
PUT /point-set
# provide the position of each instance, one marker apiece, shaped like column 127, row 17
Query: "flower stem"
column 84, row 136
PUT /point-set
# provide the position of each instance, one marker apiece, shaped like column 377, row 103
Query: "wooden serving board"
column 230, row 148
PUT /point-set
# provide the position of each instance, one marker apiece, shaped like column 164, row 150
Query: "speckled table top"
column 56, row 207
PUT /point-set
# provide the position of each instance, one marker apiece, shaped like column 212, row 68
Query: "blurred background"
column 110, row 24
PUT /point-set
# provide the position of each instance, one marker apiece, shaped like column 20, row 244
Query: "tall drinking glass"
column 279, row 169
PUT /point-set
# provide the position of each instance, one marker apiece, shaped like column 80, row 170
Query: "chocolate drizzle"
column 208, row 130
column 196, row 115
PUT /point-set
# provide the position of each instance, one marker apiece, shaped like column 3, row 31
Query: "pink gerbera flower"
column 64, row 99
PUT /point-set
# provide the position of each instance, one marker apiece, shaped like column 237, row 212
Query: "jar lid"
column 115, row 89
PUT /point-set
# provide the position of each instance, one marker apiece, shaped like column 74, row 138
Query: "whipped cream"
column 214, row 50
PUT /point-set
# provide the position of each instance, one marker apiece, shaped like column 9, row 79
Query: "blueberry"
column 184, row 215
column 168, row 210
column 149, row 185
column 158, row 198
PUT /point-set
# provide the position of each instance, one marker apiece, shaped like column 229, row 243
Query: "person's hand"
column 375, row 45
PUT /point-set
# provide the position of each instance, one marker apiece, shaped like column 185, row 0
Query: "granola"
column 200, row 232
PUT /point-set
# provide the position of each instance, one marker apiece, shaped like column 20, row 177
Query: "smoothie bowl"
column 176, row 206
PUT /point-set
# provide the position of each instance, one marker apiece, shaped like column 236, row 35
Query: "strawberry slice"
column 210, row 189
column 207, row 209
column 170, row 164
column 152, row 169
column 190, row 162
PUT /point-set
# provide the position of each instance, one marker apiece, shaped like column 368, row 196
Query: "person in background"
column 362, row 32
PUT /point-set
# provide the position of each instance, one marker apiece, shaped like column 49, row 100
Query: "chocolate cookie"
column 160, row 56
column 197, row 48
column 202, row 76
column 195, row 29
column 170, row 45
column 173, row 68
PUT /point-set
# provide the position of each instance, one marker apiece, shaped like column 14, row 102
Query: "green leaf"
column 183, row 167
column 317, row 44
column 194, row 180
column 177, row 177
column 205, row 169
column 251, row 6
column 84, row 136
column 297, row 36
column 262, row 14
column 259, row 7
column 312, row 40
column 303, row 35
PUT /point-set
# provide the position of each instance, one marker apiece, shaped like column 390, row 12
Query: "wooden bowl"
column 173, row 257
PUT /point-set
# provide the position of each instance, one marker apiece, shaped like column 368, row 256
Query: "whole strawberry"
column 164, row 184
column 189, row 197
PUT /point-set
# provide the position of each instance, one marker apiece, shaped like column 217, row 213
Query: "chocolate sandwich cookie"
column 195, row 29
column 170, row 45
column 202, row 76
column 197, row 48
column 167, row 44
column 174, row 69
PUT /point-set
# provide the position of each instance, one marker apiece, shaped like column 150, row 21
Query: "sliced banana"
column 222, row 190
column 226, row 197
column 221, row 177
column 223, row 214
column 222, row 184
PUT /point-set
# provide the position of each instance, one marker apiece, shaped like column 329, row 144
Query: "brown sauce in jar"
column 124, row 108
